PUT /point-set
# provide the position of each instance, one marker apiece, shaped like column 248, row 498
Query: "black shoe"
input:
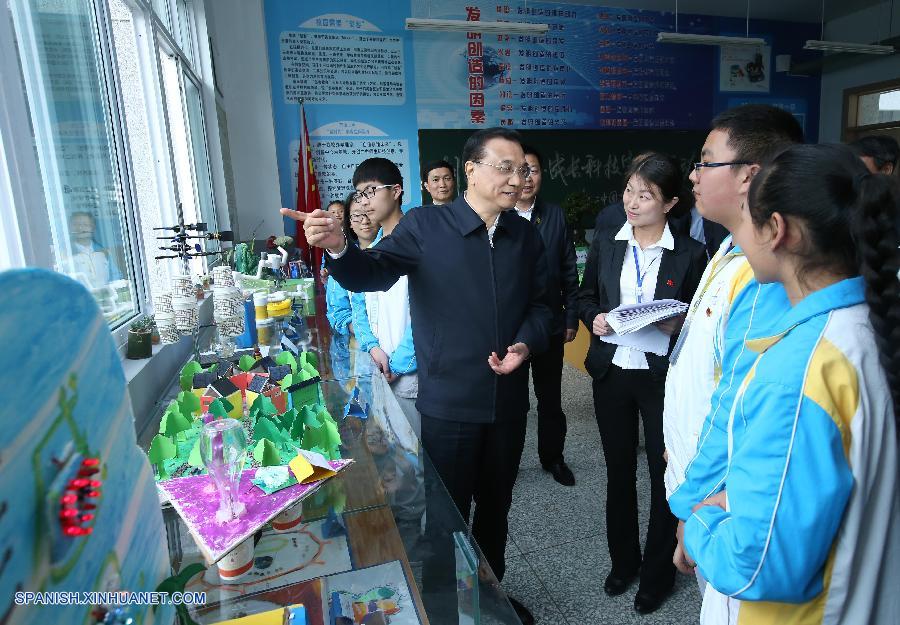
column 561, row 473
column 615, row 585
column 647, row 602
column 522, row 612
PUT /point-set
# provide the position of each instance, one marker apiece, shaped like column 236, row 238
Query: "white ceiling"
column 781, row 10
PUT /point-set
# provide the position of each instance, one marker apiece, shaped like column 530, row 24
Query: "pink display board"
column 196, row 500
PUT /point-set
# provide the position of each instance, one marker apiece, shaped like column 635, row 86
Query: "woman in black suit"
column 641, row 262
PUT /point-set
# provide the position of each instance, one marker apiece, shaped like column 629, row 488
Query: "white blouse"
column 640, row 271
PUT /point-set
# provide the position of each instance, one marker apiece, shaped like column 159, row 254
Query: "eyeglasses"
column 507, row 169
column 369, row 192
column 699, row 166
column 358, row 217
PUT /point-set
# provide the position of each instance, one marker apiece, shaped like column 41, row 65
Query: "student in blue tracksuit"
column 804, row 526
column 337, row 299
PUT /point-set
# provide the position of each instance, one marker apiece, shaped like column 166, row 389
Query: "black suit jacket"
column 562, row 273
column 613, row 217
column 467, row 299
column 679, row 274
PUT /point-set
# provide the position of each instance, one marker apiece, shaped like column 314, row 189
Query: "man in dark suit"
column 478, row 297
column 562, row 287
column 707, row 232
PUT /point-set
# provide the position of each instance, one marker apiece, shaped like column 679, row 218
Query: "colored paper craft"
column 187, row 374
column 262, row 365
column 246, row 363
column 278, row 372
column 225, row 387
column 287, row 358
column 204, row 379
column 258, row 383
column 195, row 500
column 310, row 466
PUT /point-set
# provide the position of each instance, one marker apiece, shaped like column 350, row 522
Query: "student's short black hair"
column 473, row 150
column 757, row 132
column 441, row 164
column 880, row 148
column 379, row 170
column 336, row 201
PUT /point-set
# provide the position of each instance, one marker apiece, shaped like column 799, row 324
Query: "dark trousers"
column 480, row 462
column 618, row 397
column 546, row 373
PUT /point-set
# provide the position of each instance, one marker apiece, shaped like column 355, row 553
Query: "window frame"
column 850, row 130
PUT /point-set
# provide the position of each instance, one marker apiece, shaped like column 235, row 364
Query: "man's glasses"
column 507, row 169
column 699, row 166
column 369, row 192
column 358, row 217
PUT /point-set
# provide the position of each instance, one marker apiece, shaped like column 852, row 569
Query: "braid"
column 877, row 242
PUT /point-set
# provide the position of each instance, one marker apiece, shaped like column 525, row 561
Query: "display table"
column 382, row 536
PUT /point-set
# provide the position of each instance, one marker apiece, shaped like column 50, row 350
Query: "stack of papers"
column 633, row 325
column 631, row 317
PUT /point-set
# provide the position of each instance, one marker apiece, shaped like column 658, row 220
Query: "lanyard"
column 640, row 278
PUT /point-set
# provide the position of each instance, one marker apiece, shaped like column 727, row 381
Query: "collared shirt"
column 697, row 226
column 648, row 261
column 526, row 213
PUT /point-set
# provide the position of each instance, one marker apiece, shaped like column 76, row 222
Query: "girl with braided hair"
column 806, row 525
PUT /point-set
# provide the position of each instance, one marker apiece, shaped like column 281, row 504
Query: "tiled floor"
column 557, row 557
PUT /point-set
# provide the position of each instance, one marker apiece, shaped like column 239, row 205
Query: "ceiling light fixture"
column 507, row 28
column 846, row 46
column 710, row 40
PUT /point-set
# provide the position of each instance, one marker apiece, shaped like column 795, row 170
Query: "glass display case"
column 380, row 542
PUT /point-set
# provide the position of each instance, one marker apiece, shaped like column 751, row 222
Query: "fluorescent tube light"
column 709, row 40
column 507, row 28
column 846, row 46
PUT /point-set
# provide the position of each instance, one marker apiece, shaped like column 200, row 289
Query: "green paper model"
column 245, row 363
column 173, row 422
column 188, row 403
column 217, row 408
column 195, row 459
column 287, row 358
column 265, row 428
column 161, row 449
column 266, row 453
column 262, row 406
column 187, row 375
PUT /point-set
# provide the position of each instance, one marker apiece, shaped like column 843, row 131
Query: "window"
column 110, row 130
column 73, row 115
column 871, row 108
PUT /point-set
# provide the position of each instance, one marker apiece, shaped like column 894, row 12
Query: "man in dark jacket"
column 477, row 290
column 562, row 287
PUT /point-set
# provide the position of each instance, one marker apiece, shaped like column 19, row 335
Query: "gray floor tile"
column 557, row 553
column 522, row 583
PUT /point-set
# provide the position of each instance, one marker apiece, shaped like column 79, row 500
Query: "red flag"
column 308, row 198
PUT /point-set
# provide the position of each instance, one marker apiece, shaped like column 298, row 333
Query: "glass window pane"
column 878, row 108
column 75, row 142
column 185, row 32
column 205, row 198
column 161, row 8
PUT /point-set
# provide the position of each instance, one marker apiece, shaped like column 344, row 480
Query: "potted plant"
column 580, row 209
column 140, row 343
